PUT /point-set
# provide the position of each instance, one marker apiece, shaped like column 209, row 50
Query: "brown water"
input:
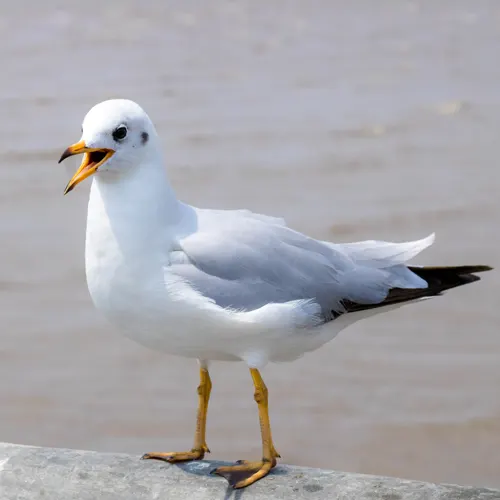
column 353, row 120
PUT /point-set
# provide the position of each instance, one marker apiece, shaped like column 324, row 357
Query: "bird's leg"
column 200, row 446
column 245, row 473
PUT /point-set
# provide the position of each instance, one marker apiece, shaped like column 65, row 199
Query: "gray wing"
column 244, row 262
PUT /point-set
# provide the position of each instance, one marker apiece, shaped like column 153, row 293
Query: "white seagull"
column 227, row 285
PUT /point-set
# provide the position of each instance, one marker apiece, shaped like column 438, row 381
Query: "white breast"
column 128, row 277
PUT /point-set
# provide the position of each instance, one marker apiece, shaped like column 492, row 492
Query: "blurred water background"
column 353, row 120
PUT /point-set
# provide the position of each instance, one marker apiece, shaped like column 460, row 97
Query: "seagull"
column 223, row 285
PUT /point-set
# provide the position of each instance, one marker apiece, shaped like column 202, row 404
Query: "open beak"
column 92, row 160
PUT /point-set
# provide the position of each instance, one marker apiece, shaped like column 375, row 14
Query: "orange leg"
column 200, row 445
column 246, row 473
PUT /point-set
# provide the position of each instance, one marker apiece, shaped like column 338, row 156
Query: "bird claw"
column 244, row 473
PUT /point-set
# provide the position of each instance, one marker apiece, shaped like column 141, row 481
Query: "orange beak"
column 93, row 158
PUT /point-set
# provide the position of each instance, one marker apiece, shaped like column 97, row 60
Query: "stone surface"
column 33, row 473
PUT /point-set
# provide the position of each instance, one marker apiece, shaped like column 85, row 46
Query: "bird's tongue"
column 94, row 157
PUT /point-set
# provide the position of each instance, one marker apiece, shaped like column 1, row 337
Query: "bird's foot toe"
column 177, row 456
column 245, row 473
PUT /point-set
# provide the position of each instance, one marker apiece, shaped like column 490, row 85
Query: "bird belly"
column 145, row 311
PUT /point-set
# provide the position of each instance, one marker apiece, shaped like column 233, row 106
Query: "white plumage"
column 223, row 284
column 216, row 284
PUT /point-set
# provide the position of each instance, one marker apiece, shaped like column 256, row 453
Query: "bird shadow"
column 204, row 468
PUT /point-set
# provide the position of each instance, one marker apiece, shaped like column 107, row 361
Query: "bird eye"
column 120, row 133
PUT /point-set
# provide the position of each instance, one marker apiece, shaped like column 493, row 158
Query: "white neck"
column 133, row 213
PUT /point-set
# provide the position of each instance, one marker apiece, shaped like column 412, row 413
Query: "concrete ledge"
column 27, row 472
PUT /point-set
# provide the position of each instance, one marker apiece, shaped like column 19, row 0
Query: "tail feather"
column 438, row 280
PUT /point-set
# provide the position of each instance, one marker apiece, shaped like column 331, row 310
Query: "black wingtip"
column 480, row 269
column 438, row 278
column 443, row 278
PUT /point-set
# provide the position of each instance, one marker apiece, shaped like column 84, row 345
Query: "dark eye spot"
column 144, row 137
column 120, row 133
